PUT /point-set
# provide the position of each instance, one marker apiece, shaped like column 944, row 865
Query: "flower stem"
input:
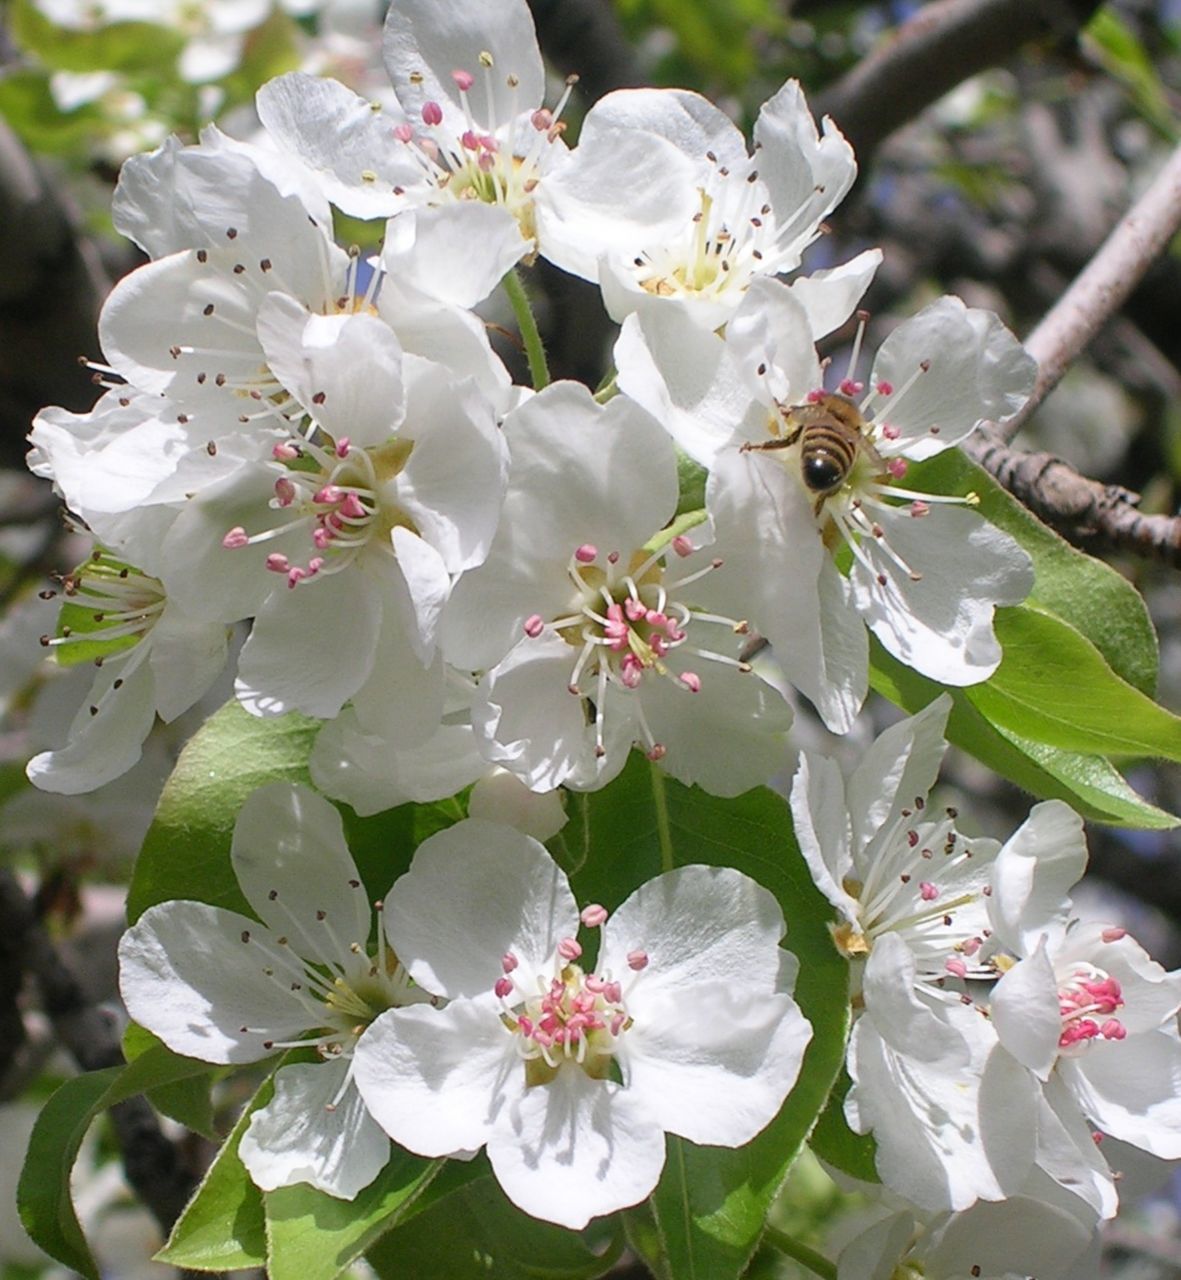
column 815, row 1262
column 534, row 350
column 663, row 828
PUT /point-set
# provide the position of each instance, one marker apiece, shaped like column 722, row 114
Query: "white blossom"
column 219, row 986
column 570, row 1075
column 589, row 636
column 799, row 474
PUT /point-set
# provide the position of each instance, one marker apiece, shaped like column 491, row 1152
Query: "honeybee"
column 831, row 434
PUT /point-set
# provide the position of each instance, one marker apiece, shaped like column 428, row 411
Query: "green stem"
column 663, row 828
column 534, row 350
column 815, row 1262
column 682, row 524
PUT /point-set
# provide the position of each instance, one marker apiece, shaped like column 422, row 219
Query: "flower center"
column 494, row 161
column 733, row 236
column 571, row 1017
column 1087, row 998
column 341, row 996
column 346, row 499
column 108, row 608
column 625, row 625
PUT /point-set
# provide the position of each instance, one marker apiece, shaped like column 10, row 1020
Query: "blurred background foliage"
column 999, row 190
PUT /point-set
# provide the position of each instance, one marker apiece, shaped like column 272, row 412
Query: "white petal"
column 687, row 378
column 105, row 744
column 575, row 1149
column 211, row 984
column 340, row 137
column 978, row 371
column 475, row 893
column 312, row 646
column 727, row 737
column 402, row 701
column 944, row 1137
column 1018, row 1236
column 1025, row 1012
column 806, row 173
column 1067, row 1152
column 370, row 774
column 771, row 331
column 430, row 249
column 713, row 1062
column 186, row 658
column 941, row 625
column 900, row 767
column 453, row 483
column 828, row 297
column 527, row 720
column 428, row 584
column 906, row 1021
column 314, row 1130
column 292, row 862
column 822, row 828
column 1033, row 873
column 1132, row 1089
column 346, row 370
column 877, row 1251
column 425, row 42
column 436, row 1079
column 211, row 581
column 500, row 797
column 698, row 925
column 188, row 197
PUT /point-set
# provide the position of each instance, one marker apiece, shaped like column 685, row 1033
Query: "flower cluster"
column 471, row 1018
column 1000, row 1040
column 472, row 583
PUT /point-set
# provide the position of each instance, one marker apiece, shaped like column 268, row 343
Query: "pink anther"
column 509, row 962
column 277, row 562
column 816, row 395
column 594, row 916
column 237, row 537
column 884, row 388
column 404, row 132
column 691, row 680
column 503, row 988
column 343, row 445
column 849, row 387
column 1113, row 934
column 534, row 625
column 1113, row 1029
column 636, row 610
column 928, row 891
column 890, row 431
column 432, row 113
column 919, row 508
column 464, row 79
column 587, row 553
column 683, row 546
column 285, row 492
column 955, row 965
column 542, row 120
column 637, row 960
column 569, row 949
column 897, row 467
column 284, row 452
column 329, row 495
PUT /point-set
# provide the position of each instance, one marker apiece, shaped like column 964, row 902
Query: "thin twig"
column 943, row 45
column 1103, row 285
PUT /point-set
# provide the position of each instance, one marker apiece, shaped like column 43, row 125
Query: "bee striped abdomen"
column 828, row 451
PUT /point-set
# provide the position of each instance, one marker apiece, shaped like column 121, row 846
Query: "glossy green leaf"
column 188, row 1100
column 43, row 1195
column 1056, row 688
column 223, row 1226
column 314, row 1236
column 1089, row 783
column 835, row 1142
column 476, row 1234
column 711, row 1201
column 1096, row 600
column 186, row 851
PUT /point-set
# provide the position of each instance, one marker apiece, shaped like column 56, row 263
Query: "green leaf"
column 1097, row 601
column 476, row 1234
column 832, row 1139
column 711, row 1201
column 1087, row 782
column 43, row 1195
column 187, row 1101
column 120, row 46
column 1054, row 687
column 186, row 851
column 222, row 1227
column 314, row 1236
column 28, row 107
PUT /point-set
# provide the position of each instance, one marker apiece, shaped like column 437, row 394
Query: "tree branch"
column 1103, row 516
column 152, row 1164
column 944, row 44
column 1102, row 286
